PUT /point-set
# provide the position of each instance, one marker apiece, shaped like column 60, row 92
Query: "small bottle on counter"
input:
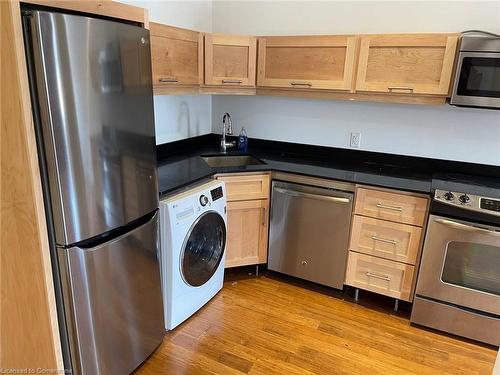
column 243, row 141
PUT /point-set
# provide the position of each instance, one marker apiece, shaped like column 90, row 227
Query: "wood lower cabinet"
column 247, row 232
column 176, row 59
column 307, row 62
column 386, row 241
column 246, row 187
column 381, row 276
column 247, row 218
column 406, row 63
column 392, row 206
column 230, row 60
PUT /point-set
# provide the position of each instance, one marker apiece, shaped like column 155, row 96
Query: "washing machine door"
column 203, row 249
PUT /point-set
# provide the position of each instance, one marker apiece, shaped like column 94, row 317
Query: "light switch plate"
column 355, row 139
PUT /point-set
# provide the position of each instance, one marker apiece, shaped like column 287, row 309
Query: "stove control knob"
column 448, row 196
column 203, row 200
column 464, row 198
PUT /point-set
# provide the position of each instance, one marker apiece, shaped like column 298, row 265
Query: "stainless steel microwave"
column 477, row 78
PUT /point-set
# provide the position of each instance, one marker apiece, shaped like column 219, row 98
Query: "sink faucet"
column 226, row 118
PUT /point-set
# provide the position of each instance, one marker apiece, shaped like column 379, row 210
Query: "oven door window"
column 480, row 76
column 473, row 266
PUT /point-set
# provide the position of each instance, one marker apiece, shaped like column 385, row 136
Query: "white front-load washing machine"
column 193, row 241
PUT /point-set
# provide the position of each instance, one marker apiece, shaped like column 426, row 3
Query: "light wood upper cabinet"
column 230, row 60
column 406, row 63
column 176, row 57
column 304, row 62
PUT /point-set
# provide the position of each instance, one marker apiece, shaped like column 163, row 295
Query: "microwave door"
column 477, row 81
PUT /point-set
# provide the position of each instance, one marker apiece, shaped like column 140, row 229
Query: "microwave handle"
column 455, row 224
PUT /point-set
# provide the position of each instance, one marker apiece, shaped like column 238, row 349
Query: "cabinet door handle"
column 387, row 207
column 381, row 277
column 168, row 80
column 232, row 81
column 308, row 84
column 304, row 263
column 375, row 238
column 400, row 88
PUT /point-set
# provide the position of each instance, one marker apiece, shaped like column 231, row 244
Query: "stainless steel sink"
column 222, row 161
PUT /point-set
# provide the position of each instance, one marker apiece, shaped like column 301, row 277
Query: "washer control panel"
column 216, row 193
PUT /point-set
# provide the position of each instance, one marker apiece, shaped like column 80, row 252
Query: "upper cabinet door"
column 407, row 63
column 230, row 60
column 176, row 56
column 316, row 62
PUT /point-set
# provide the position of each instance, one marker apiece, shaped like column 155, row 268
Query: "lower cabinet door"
column 381, row 276
column 247, row 232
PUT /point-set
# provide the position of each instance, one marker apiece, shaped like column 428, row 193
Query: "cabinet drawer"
column 381, row 276
column 246, row 187
column 391, row 206
column 385, row 239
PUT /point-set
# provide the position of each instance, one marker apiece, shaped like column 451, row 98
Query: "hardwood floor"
column 268, row 325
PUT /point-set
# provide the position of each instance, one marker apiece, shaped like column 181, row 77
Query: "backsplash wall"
column 443, row 132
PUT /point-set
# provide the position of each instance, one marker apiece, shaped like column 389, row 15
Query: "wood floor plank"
column 267, row 326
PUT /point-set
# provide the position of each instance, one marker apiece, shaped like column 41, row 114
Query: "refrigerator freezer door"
column 93, row 82
column 115, row 300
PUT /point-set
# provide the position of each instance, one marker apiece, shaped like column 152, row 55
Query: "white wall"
column 443, row 132
column 180, row 117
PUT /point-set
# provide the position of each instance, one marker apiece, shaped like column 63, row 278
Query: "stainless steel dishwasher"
column 309, row 231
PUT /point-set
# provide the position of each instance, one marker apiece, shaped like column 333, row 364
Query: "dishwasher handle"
column 328, row 198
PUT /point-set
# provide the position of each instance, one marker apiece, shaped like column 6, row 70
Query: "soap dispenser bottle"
column 243, row 141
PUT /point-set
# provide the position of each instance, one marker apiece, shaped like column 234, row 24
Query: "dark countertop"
column 180, row 164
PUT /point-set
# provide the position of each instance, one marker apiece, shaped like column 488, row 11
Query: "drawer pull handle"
column 168, row 80
column 233, row 81
column 387, row 207
column 308, row 84
column 381, row 277
column 375, row 238
column 400, row 88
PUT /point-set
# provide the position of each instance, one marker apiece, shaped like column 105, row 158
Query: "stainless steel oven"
column 477, row 77
column 458, row 287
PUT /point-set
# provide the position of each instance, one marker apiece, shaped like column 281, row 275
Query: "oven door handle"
column 458, row 225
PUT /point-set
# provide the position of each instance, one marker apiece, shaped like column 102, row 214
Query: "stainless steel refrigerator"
column 91, row 91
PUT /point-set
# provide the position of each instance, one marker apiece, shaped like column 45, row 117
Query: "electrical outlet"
column 355, row 139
